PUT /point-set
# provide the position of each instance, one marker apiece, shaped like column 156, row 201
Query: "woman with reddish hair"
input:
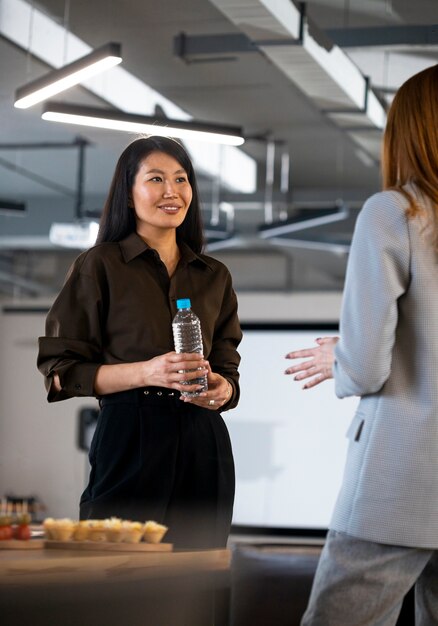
column 383, row 536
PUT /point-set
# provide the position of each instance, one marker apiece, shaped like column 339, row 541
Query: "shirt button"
column 78, row 387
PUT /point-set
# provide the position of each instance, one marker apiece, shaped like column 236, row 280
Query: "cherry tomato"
column 22, row 532
column 5, row 533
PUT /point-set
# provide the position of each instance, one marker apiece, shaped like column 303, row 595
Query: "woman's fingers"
column 305, row 365
column 216, row 396
column 322, row 340
column 171, row 369
column 316, row 380
column 301, row 354
column 307, row 373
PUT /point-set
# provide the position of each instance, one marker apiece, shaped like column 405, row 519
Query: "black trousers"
column 154, row 457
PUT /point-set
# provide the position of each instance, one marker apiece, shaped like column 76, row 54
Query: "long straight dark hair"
column 118, row 219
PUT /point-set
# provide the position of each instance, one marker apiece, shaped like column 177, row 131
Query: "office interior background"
column 308, row 84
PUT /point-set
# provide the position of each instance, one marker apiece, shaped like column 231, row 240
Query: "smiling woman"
column 155, row 454
column 161, row 196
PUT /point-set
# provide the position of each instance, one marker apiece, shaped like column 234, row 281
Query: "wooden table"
column 76, row 588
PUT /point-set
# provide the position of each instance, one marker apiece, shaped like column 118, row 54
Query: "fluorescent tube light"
column 65, row 77
column 132, row 123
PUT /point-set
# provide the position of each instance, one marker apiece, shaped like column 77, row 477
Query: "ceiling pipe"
column 269, row 181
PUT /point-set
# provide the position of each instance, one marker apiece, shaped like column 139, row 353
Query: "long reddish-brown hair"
column 410, row 141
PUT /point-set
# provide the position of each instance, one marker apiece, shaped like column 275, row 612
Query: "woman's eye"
column 156, row 179
column 181, row 179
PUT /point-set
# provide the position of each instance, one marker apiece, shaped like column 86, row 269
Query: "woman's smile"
column 169, row 208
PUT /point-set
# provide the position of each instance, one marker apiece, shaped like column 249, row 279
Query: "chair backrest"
column 271, row 583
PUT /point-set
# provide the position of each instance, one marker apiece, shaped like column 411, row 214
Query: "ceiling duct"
column 310, row 60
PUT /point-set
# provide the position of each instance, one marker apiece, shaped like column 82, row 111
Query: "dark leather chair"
column 270, row 585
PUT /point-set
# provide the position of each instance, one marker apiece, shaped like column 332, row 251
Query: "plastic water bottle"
column 187, row 337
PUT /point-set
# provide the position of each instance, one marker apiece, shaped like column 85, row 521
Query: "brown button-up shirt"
column 117, row 306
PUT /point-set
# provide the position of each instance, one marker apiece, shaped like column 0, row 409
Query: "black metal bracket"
column 218, row 48
column 214, row 48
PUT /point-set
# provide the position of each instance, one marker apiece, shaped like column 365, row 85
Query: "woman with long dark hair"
column 383, row 536
column 155, row 454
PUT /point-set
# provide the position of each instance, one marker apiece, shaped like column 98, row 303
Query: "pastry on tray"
column 154, row 532
column 59, row 529
column 96, row 530
column 113, row 530
column 132, row 532
column 80, row 533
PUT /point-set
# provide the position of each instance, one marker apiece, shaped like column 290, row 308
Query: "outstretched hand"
column 319, row 364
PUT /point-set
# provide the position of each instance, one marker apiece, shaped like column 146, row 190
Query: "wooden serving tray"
column 107, row 546
column 17, row 544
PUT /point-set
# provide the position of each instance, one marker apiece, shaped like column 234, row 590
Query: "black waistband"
column 143, row 394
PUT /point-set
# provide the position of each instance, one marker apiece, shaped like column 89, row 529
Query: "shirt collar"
column 133, row 245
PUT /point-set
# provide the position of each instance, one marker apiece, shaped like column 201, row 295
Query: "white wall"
column 312, row 306
column 38, row 453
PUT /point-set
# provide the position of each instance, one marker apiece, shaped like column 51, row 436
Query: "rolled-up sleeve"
column 224, row 357
column 72, row 346
column 377, row 276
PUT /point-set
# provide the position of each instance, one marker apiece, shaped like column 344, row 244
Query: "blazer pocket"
column 355, row 429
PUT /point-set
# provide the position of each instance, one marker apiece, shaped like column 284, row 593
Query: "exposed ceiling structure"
column 307, row 82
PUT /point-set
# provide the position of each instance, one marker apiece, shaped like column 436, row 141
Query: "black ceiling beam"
column 186, row 46
column 11, row 206
column 45, row 145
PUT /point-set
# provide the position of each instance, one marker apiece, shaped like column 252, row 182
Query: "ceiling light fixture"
column 132, row 123
column 65, row 77
column 80, row 235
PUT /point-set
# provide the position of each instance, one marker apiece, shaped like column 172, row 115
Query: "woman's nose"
column 169, row 189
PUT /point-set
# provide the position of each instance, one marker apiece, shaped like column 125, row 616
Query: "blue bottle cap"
column 183, row 304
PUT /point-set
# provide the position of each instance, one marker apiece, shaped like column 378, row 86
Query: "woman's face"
column 161, row 194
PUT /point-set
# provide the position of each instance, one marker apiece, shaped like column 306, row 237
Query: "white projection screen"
column 289, row 444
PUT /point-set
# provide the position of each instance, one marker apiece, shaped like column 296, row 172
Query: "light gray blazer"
column 388, row 355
